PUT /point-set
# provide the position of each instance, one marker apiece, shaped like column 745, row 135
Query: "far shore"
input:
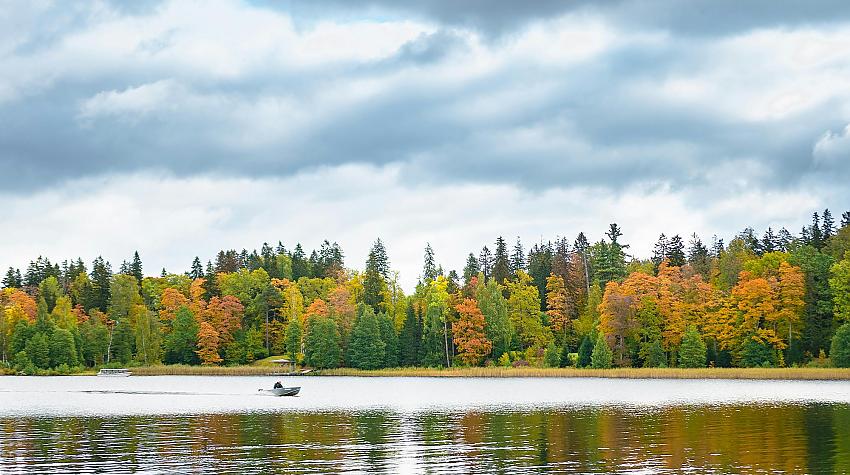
column 814, row 374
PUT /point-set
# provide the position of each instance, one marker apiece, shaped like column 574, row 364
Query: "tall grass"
column 187, row 370
column 635, row 373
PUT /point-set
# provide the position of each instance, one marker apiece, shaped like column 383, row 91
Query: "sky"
column 178, row 128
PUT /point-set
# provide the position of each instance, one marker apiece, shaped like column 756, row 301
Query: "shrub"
column 839, row 351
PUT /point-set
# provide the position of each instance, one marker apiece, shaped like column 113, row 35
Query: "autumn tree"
column 469, row 336
column 208, row 344
column 524, row 312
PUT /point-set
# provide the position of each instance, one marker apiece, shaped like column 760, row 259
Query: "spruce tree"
column 659, row 252
column 585, row 351
column 501, row 262
column 376, row 274
column 136, row 267
column 676, row 251
column 411, row 332
column 485, row 263
column 197, row 271
column 300, row 266
column 471, row 269
column 828, row 228
column 366, row 348
column 839, row 351
column 390, row 339
column 518, row 262
column 429, row 270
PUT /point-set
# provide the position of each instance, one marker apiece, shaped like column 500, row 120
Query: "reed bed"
column 634, row 373
column 187, row 370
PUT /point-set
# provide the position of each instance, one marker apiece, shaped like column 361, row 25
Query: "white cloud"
column 833, row 148
column 170, row 220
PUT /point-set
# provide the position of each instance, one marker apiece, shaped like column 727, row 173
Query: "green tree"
column 602, row 355
column 38, row 350
column 839, row 352
column 50, row 290
column 524, row 312
column 376, row 275
column 390, row 339
column 501, row 262
column 411, row 334
column 366, row 347
column 63, row 349
column 692, row 349
column 321, row 344
column 552, row 356
column 839, row 283
column 182, row 341
column 755, row 354
column 585, row 351
column 497, row 324
column 654, row 356
column 253, row 345
column 293, row 338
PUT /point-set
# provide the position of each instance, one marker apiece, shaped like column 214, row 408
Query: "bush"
column 839, row 351
column 504, row 360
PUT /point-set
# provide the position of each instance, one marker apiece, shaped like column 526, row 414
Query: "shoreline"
column 778, row 374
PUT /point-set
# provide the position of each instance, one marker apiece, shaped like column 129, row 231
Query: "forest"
column 770, row 301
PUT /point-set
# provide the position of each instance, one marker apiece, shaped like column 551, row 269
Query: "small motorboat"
column 281, row 391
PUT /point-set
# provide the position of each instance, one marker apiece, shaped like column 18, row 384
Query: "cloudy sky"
column 178, row 128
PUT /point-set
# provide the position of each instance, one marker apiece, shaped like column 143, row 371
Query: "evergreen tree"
column 181, row 343
column 692, row 350
column 300, row 266
column 585, row 351
column 676, row 251
column 815, row 232
column 366, row 347
column 698, row 257
column 839, row 351
column 136, row 267
column 655, row 356
column 769, row 242
column 197, row 271
column 101, row 277
column 485, row 263
column 429, row 270
column 411, row 334
column 501, row 262
column 659, row 252
column 471, row 269
column 376, row 275
column 828, row 229
column 564, row 360
column 540, row 268
column 390, row 339
column 517, row 258
column 755, row 354
column 845, row 219
column 12, row 279
column 602, row 355
column 552, row 356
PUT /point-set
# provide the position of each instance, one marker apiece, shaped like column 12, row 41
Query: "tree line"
column 774, row 300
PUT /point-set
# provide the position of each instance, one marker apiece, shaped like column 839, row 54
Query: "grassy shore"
column 633, row 373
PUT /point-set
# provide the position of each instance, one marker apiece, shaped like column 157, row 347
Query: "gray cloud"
column 524, row 121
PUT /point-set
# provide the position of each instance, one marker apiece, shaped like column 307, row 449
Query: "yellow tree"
column 170, row 302
column 558, row 310
column 617, row 318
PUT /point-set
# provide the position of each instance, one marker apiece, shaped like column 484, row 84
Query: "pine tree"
column 485, row 263
column 429, row 270
column 136, row 267
column 197, row 271
column 602, row 355
column 411, row 333
column 366, row 347
column 659, row 252
column 517, row 258
column 376, row 275
column 828, row 229
column 676, row 251
column 471, row 269
column 501, row 262
column 839, row 351
column 692, row 350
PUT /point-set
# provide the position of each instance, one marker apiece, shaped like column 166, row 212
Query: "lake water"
column 182, row 424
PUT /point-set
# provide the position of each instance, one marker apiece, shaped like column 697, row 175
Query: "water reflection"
column 721, row 439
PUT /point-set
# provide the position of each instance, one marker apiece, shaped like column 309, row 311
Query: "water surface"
column 422, row 425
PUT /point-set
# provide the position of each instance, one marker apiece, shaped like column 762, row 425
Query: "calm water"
column 422, row 425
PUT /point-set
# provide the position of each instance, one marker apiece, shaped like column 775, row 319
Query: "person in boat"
column 277, row 385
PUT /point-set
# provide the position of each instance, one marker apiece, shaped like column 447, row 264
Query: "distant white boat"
column 114, row 373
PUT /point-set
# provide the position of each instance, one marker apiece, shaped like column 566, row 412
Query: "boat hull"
column 282, row 391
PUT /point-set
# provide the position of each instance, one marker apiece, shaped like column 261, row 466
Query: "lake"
column 422, row 425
